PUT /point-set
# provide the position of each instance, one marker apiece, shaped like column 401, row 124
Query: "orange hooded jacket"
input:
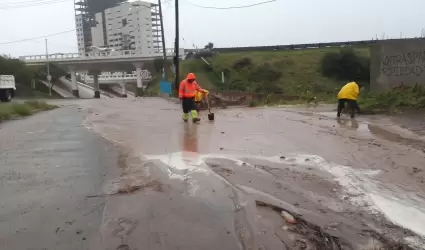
column 187, row 89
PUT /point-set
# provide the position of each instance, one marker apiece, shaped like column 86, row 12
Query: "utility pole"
column 49, row 78
column 176, row 46
column 162, row 29
column 164, row 61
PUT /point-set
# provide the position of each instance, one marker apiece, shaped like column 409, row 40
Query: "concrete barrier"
column 397, row 63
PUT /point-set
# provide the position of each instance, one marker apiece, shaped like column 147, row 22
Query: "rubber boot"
column 185, row 117
column 195, row 117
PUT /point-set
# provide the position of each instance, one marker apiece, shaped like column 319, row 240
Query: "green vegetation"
column 10, row 110
column 24, row 76
column 9, row 66
column 153, row 89
column 294, row 76
column 287, row 72
column 346, row 65
column 393, row 100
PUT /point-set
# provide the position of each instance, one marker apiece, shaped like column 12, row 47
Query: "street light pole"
column 176, row 47
column 49, row 78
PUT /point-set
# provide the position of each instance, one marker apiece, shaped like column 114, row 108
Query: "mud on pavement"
column 225, row 184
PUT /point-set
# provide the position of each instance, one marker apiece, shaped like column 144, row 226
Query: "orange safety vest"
column 188, row 90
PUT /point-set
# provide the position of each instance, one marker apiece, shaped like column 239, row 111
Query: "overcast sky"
column 280, row 22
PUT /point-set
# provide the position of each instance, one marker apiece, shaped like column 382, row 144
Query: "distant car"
column 7, row 88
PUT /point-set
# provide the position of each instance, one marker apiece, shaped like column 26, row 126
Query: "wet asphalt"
column 129, row 174
column 49, row 163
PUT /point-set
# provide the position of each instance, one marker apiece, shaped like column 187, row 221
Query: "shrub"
column 345, row 65
column 253, row 103
column 4, row 115
column 242, row 63
column 264, row 73
column 21, row 109
column 404, row 97
column 35, row 104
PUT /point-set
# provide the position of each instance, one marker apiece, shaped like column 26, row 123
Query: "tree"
column 17, row 68
column 345, row 65
column 210, row 46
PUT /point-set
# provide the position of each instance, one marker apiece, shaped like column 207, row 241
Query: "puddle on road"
column 366, row 129
column 360, row 187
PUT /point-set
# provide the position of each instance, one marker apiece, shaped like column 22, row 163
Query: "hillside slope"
column 292, row 72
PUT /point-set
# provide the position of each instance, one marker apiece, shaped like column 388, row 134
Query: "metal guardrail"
column 119, row 77
column 289, row 46
column 95, row 55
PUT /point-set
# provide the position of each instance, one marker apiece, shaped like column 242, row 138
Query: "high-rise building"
column 85, row 11
column 125, row 26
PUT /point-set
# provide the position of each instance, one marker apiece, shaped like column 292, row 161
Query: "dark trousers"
column 352, row 105
column 198, row 105
column 188, row 104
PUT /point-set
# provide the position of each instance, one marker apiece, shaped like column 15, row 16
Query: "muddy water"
column 351, row 184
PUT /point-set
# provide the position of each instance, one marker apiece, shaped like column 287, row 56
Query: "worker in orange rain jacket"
column 348, row 94
column 187, row 92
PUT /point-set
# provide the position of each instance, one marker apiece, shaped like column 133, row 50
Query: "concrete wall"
column 397, row 63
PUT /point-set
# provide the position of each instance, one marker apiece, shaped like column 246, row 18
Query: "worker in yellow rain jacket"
column 348, row 94
column 199, row 96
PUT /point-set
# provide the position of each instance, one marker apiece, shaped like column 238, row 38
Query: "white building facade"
column 80, row 34
column 127, row 26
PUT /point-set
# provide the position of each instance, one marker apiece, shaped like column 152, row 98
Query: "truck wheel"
column 6, row 95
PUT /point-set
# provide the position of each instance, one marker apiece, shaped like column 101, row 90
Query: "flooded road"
column 229, row 184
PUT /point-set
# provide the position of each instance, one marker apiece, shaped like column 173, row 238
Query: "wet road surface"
column 350, row 184
column 49, row 163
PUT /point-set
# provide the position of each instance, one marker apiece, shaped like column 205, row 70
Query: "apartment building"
column 127, row 26
column 81, row 38
column 85, row 11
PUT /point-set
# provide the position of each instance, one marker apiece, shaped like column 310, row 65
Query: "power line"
column 34, row 38
column 23, row 2
column 231, row 7
column 30, row 4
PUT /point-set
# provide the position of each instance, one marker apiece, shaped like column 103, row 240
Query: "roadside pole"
column 176, row 47
column 164, row 64
column 49, row 78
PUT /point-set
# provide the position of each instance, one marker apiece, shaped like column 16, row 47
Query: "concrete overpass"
column 120, row 78
column 97, row 62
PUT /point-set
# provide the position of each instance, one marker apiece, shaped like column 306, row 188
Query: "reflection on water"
column 350, row 124
column 190, row 138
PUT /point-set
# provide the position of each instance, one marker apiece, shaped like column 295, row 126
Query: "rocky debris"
column 287, row 217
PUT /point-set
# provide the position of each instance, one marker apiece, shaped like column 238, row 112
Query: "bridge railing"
column 117, row 77
column 96, row 55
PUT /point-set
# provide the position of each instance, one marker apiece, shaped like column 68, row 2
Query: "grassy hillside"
column 291, row 72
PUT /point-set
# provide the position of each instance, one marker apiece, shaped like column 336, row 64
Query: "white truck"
column 7, row 87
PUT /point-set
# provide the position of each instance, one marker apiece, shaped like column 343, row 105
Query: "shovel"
column 210, row 115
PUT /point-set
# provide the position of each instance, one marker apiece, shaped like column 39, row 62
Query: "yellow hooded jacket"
column 349, row 91
column 199, row 95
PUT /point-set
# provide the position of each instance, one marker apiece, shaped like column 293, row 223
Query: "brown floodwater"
column 350, row 184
